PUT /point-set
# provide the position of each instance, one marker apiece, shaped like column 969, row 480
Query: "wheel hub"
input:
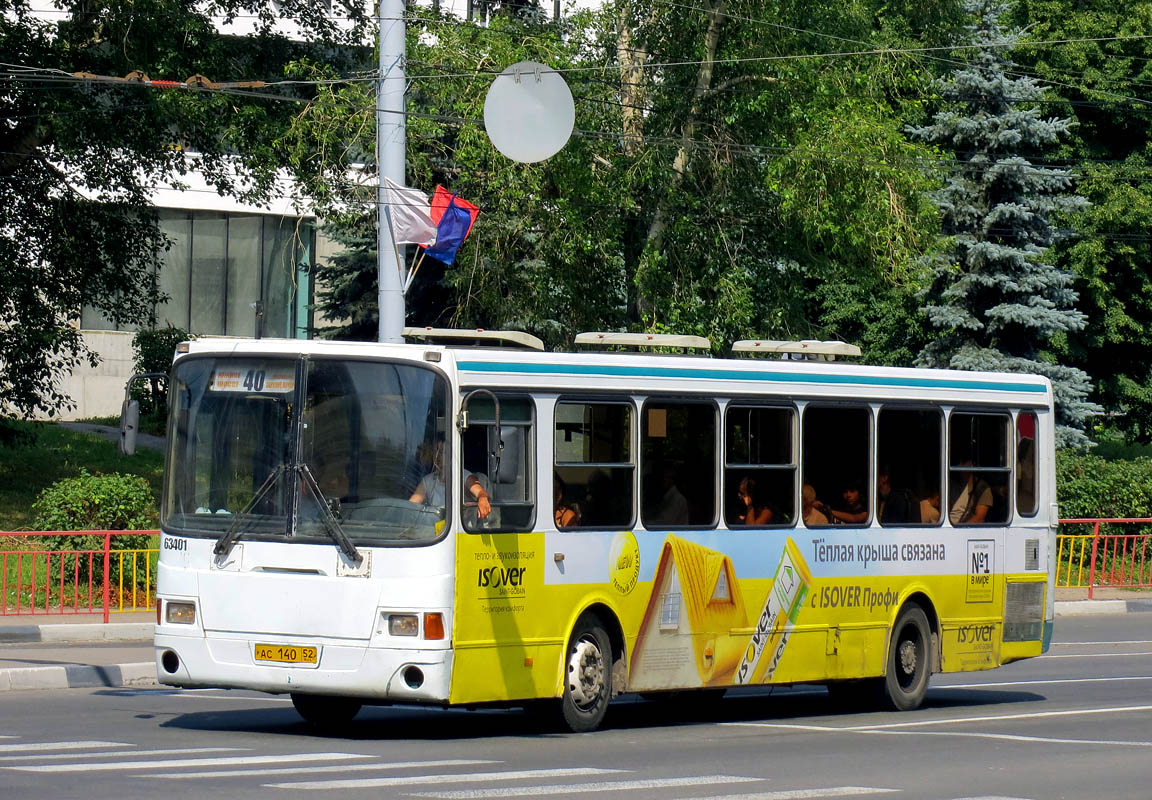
column 908, row 657
column 585, row 673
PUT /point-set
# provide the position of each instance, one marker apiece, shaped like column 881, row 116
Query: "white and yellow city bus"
column 422, row 523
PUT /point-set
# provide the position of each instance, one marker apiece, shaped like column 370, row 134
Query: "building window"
column 222, row 269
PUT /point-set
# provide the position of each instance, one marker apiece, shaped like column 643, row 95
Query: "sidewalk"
column 62, row 651
column 70, row 651
column 1075, row 602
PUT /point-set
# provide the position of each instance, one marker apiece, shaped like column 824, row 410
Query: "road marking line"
column 1082, row 644
column 800, row 794
column 956, row 720
column 107, row 754
column 1039, row 682
column 417, row 780
column 17, row 748
column 197, row 694
column 189, row 762
column 224, row 773
column 992, row 797
column 1092, row 655
column 1013, row 738
column 580, row 788
column 997, row 718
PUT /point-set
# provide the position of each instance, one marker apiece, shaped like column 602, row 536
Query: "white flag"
column 410, row 214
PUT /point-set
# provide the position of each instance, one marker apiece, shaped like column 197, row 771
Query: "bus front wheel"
column 909, row 659
column 325, row 712
column 587, row 677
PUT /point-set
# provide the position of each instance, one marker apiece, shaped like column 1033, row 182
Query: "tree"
column 1099, row 81
column 720, row 181
column 78, row 157
column 994, row 298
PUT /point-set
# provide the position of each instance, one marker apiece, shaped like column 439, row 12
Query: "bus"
column 471, row 520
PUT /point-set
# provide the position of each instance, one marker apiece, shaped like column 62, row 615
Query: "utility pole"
column 390, row 157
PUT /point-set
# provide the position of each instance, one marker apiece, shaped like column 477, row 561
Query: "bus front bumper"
column 350, row 669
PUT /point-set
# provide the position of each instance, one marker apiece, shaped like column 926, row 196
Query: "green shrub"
column 1089, row 486
column 95, row 502
column 153, row 353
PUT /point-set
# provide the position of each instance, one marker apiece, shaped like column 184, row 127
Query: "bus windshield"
column 285, row 448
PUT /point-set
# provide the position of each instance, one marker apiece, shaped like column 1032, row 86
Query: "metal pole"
column 556, row 11
column 390, row 152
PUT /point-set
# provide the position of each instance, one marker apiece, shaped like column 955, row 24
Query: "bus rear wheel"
column 325, row 711
column 587, row 677
column 909, row 659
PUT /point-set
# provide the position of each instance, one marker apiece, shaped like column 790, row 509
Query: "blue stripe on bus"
column 732, row 375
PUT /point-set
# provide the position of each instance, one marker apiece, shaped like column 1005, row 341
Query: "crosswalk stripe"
column 37, row 746
column 580, row 788
column 382, row 765
column 803, row 794
column 419, row 780
column 125, row 753
column 188, row 762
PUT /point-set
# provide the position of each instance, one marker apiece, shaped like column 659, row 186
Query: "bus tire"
column 909, row 659
column 587, row 677
column 325, row 711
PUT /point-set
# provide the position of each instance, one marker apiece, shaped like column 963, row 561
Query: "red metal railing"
column 1122, row 560
column 35, row 579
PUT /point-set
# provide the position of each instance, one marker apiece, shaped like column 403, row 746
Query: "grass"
column 37, row 454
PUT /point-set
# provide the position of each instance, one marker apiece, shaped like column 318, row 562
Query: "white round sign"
column 529, row 112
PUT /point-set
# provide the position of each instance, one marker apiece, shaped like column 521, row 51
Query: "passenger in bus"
column 566, row 514
column 970, row 498
column 895, row 506
column 809, row 507
column 672, row 506
column 930, row 509
column 851, row 509
column 757, row 510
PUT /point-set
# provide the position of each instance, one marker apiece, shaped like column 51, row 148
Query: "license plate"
column 286, row 654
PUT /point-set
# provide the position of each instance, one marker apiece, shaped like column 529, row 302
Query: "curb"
column 78, row 632
column 1086, row 608
column 78, row 676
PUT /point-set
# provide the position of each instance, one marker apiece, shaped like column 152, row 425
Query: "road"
column 1076, row 723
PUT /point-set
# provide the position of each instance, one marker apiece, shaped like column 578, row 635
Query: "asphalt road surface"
column 1076, row 723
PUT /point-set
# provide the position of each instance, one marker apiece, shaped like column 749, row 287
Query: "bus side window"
column 837, row 454
column 500, row 461
column 978, row 469
column 759, row 466
column 908, row 466
column 678, row 465
column 1026, row 464
column 595, row 465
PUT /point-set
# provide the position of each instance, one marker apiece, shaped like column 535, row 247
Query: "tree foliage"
column 78, row 159
column 995, row 299
column 718, row 183
column 1098, row 80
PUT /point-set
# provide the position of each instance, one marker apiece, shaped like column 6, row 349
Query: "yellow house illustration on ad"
column 686, row 636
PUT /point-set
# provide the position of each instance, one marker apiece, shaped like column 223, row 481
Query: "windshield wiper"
column 331, row 524
column 224, row 543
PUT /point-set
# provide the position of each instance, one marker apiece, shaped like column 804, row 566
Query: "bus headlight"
column 403, row 625
column 180, row 613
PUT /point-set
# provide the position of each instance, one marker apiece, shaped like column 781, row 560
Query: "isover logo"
column 500, row 577
column 624, row 562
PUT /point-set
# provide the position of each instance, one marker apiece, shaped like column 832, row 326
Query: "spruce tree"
column 995, row 301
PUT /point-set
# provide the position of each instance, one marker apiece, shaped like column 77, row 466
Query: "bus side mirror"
column 129, row 425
